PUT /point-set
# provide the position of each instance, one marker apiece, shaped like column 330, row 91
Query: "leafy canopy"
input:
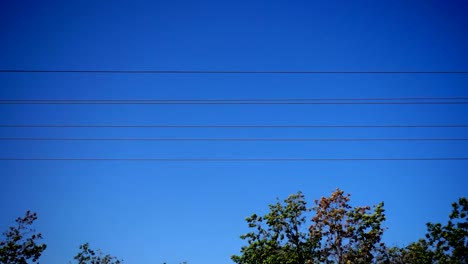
column 20, row 244
column 86, row 255
column 337, row 232
column 443, row 243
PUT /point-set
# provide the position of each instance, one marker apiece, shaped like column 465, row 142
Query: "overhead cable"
column 237, row 102
column 251, row 99
column 238, row 159
column 223, row 71
column 227, row 139
column 226, row 126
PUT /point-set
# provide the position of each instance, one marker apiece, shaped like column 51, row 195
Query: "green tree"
column 279, row 236
column 19, row 244
column 337, row 233
column 449, row 242
column 444, row 244
column 416, row 253
column 90, row 256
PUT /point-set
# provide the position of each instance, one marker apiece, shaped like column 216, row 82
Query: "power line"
column 224, row 72
column 157, row 102
column 227, row 126
column 231, row 139
column 356, row 100
column 251, row 99
column 236, row 159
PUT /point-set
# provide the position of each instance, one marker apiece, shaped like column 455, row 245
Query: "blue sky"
column 150, row 212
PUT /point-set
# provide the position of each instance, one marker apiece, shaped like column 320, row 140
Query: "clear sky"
column 150, row 212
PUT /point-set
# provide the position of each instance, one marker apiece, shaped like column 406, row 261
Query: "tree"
column 442, row 243
column 337, row 233
column 89, row 256
column 449, row 242
column 416, row 253
column 279, row 236
column 347, row 234
column 20, row 243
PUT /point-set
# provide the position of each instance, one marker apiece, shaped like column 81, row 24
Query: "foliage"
column 279, row 236
column 21, row 242
column 416, row 253
column 442, row 243
column 89, row 256
column 291, row 233
column 338, row 233
column 347, row 234
column 449, row 242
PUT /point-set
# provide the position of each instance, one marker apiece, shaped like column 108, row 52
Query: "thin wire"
column 256, row 99
column 228, row 126
column 231, row 139
column 235, row 159
column 136, row 102
column 225, row 72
